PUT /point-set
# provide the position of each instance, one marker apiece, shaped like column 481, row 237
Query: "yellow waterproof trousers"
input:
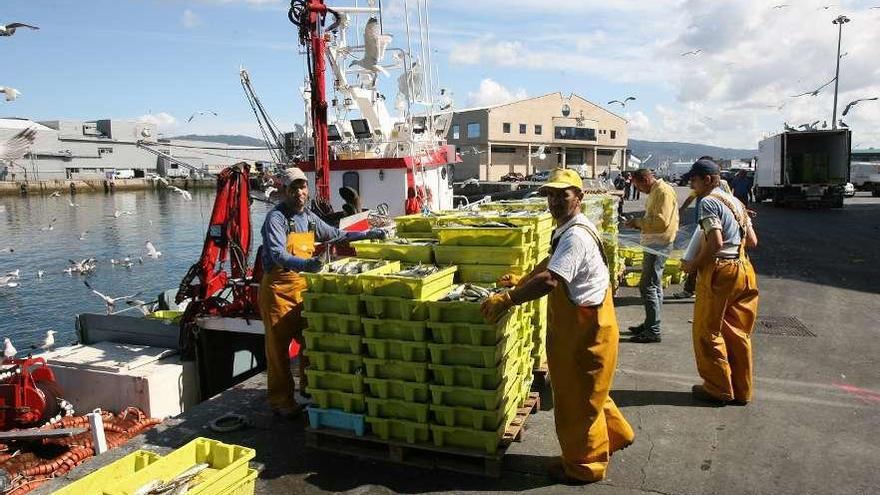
column 582, row 357
column 724, row 316
column 281, row 310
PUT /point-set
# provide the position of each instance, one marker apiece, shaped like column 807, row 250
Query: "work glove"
column 508, row 280
column 377, row 234
column 494, row 307
column 313, row 265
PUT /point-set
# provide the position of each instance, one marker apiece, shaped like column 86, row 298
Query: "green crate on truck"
column 483, row 236
column 476, row 378
column 471, row 355
column 397, row 409
column 418, row 251
column 397, row 389
column 334, row 361
column 332, row 342
column 337, row 283
column 475, row 419
column 335, row 399
column 402, row 350
column 485, row 400
column 414, row 288
column 395, row 308
column 334, row 323
column 396, row 370
column 475, row 334
column 319, row 302
column 520, row 256
column 486, row 274
column 413, row 331
column 331, row 380
column 398, row 429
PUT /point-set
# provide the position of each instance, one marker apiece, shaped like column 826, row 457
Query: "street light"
column 840, row 21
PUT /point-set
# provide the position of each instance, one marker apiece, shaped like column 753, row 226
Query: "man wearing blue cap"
column 727, row 290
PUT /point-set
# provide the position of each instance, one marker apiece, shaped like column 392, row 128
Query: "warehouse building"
column 538, row 134
column 101, row 148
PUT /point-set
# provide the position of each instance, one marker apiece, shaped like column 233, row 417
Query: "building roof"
column 572, row 95
column 19, row 123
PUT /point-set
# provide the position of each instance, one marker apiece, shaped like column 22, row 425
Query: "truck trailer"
column 804, row 167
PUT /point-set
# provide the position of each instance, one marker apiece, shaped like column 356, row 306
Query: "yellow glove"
column 494, row 307
column 508, row 280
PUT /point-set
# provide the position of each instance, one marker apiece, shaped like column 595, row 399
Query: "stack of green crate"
column 633, row 256
column 480, row 374
column 417, row 226
column 396, row 360
column 334, row 337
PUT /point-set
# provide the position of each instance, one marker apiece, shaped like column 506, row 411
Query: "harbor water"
column 90, row 229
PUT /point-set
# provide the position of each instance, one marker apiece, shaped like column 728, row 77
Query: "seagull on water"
column 82, row 235
column 7, row 249
column 9, row 29
column 48, row 342
column 110, row 301
column 40, row 273
column 152, row 252
column 8, row 281
column 11, row 93
column 55, row 194
column 49, row 227
column 9, row 350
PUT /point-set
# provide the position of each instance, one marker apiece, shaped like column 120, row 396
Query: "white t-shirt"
column 577, row 259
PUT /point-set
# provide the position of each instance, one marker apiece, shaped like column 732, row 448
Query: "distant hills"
column 230, row 139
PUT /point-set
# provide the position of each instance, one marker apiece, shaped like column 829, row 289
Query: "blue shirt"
column 281, row 221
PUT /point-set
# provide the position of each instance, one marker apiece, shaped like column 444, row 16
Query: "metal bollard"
column 99, row 442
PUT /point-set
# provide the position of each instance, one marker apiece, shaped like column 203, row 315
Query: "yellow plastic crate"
column 318, row 302
column 228, row 464
column 536, row 205
column 416, row 223
column 484, row 236
column 94, row 483
column 409, row 287
column 422, row 251
column 337, row 283
column 246, row 486
column 486, row 274
column 632, row 279
column 482, row 255
column 166, row 315
column 395, row 308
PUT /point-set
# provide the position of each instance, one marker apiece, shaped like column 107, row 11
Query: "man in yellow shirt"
column 659, row 226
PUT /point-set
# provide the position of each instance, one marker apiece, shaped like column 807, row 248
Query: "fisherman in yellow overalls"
column 727, row 291
column 289, row 235
column 582, row 335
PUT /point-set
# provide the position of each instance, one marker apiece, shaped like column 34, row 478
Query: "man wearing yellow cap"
column 582, row 335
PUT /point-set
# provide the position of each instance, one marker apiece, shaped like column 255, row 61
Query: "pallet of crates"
column 334, row 342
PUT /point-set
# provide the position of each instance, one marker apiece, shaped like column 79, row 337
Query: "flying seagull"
column 540, row 153
column 17, row 146
column 692, row 52
column 200, row 112
column 816, row 91
column 9, row 350
column 185, row 194
column 856, row 102
column 472, row 150
column 110, row 301
column 623, row 103
column 375, row 44
column 9, row 29
column 152, row 252
column 48, row 342
column 11, row 93
column 781, row 6
column 842, row 124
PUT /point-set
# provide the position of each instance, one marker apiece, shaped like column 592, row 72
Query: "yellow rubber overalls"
column 582, row 357
column 281, row 310
column 724, row 316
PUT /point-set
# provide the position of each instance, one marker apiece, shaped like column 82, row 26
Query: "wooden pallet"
column 426, row 456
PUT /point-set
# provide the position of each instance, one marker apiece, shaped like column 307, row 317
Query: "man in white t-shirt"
column 582, row 335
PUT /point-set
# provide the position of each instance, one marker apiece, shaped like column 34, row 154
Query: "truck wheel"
column 838, row 202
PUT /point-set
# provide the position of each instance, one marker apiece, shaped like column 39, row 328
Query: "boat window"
column 506, row 127
column 352, row 180
column 473, row 130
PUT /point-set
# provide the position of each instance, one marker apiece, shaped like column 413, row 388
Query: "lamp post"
column 840, row 21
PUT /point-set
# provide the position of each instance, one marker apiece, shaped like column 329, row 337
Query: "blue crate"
column 336, row 419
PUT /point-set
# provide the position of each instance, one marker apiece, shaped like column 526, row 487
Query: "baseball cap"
column 290, row 175
column 702, row 168
column 563, row 178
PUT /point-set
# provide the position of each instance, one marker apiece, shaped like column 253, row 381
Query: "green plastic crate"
column 477, row 378
column 413, row 288
column 483, row 236
column 337, row 283
column 245, row 486
column 476, row 419
column 333, row 342
column 397, row 409
column 319, row 302
column 416, row 223
column 471, row 355
column 421, row 252
column 95, row 482
column 398, row 429
column 417, row 234
column 333, row 361
column 414, row 331
column 486, row 274
column 413, row 352
column 334, row 323
column 334, row 399
column 480, row 334
column 465, row 438
column 397, row 389
column 395, row 308
column 485, row 400
column 331, row 380
column 396, row 370
column 481, row 255
column 632, row 279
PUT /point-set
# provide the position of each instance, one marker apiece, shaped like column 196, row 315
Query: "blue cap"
column 702, row 168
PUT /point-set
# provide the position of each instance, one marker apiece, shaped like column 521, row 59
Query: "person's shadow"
column 625, row 398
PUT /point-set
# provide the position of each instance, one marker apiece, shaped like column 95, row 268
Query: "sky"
column 164, row 60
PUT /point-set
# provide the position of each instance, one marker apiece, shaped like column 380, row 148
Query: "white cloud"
column 190, row 19
column 493, row 93
column 162, row 120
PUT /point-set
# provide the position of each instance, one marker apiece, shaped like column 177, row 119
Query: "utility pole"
column 840, row 21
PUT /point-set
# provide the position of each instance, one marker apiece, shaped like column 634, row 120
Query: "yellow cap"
column 563, row 178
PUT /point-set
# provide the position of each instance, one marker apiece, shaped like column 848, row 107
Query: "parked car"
column 540, row 176
column 123, row 174
column 513, row 177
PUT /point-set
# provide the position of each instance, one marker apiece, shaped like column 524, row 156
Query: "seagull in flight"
column 9, row 350
column 625, row 100
column 110, row 301
column 152, row 252
column 142, row 306
column 692, row 52
column 9, row 29
column 781, row 6
column 48, row 342
column 185, row 194
column 375, row 44
column 816, row 91
column 200, row 112
column 11, row 93
column 17, row 146
column 540, row 153
column 856, row 102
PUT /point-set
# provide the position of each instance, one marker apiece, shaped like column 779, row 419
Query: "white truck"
column 804, row 167
column 865, row 176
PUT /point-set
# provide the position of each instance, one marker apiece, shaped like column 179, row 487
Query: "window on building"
column 522, row 128
column 105, row 151
column 539, row 129
column 574, row 133
column 456, row 131
column 506, row 127
column 613, row 134
column 503, row 149
column 473, row 130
